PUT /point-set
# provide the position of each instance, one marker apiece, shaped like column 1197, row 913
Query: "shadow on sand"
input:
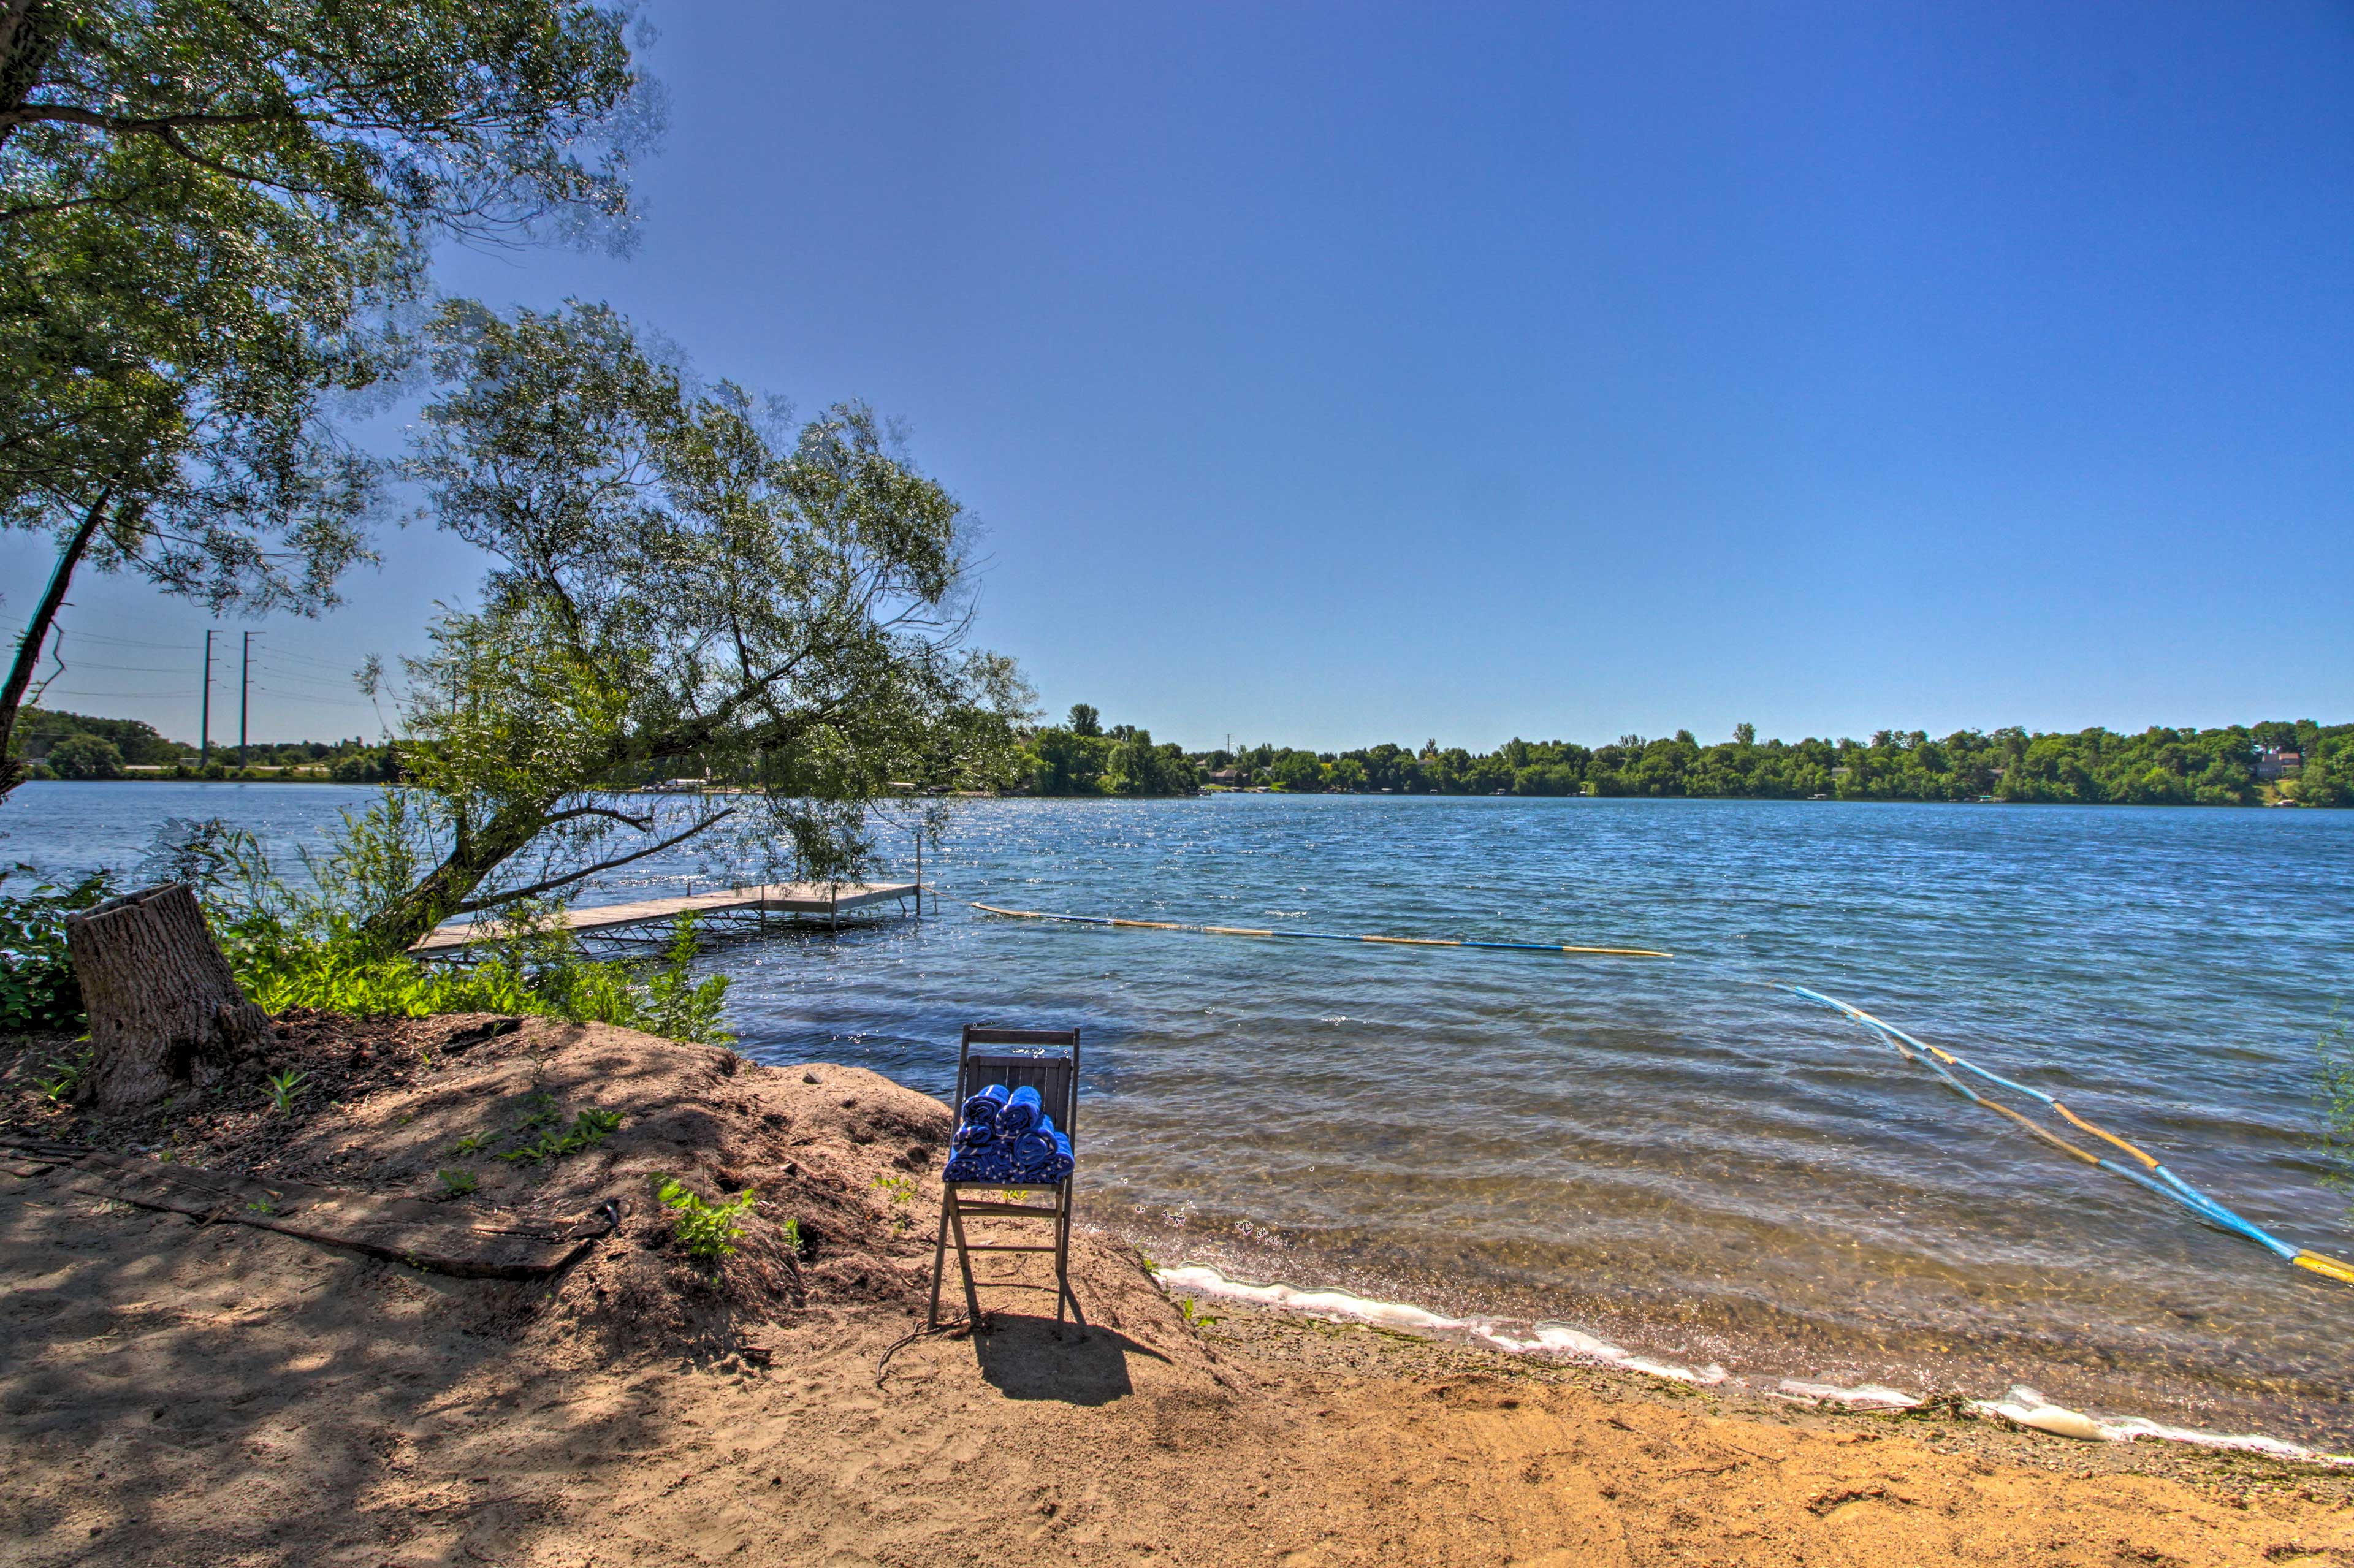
column 1037, row 1357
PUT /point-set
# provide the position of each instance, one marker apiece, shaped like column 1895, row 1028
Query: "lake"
column 1666, row 1154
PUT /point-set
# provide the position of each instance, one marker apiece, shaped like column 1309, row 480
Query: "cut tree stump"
column 164, row 1009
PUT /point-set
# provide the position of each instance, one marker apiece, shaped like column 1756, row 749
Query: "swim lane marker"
column 1322, row 936
column 2153, row 1175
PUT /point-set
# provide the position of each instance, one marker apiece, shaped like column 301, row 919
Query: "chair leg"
column 939, row 1263
column 1062, row 1291
column 964, row 1261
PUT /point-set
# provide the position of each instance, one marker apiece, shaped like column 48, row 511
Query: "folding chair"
column 1047, row 1060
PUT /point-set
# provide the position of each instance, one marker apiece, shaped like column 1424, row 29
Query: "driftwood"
column 163, row 1008
column 22, row 1156
column 482, row 1244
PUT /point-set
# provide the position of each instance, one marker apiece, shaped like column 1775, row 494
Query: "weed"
column 587, row 1130
column 1190, row 1310
column 457, row 1183
column 262, row 1206
column 65, row 1076
column 475, row 1142
column 709, row 1231
column 901, row 1191
column 286, row 1087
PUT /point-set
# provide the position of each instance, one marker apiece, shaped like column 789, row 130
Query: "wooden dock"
column 795, row 898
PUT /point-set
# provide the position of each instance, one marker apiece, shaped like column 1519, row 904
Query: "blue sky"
column 1335, row 374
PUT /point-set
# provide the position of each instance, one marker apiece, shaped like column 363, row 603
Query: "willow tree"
column 210, row 211
column 683, row 585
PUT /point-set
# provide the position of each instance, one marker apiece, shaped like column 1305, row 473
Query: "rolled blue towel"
column 983, row 1109
column 972, row 1135
column 1021, row 1112
column 1037, row 1146
column 1053, row 1166
column 984, row 1162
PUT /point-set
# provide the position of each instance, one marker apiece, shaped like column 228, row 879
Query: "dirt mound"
column 484, row 1112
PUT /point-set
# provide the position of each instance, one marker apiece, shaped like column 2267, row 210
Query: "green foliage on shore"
column 2159, row 767
column 1080, row 758
column 38, row 990
column 217, row 214
column 708, row 1230
column 54, row 743
column 298, row 946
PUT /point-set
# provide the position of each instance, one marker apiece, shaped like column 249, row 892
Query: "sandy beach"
column 177, row 1390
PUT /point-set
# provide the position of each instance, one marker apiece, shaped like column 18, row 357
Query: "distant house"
column 2278, row 762
column 1228, row 775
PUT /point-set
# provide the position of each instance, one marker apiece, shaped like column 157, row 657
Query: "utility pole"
column 205, row 722
column 244, row 691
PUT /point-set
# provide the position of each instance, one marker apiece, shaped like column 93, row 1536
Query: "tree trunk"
column 163, row 1008
column 36, row 636
column 474, row 856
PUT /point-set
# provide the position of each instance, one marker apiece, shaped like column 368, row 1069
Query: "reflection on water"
column 1667, row 1154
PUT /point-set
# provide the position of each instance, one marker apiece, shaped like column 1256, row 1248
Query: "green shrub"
column 709, row 1231
column 297, row 944
column 37, row 990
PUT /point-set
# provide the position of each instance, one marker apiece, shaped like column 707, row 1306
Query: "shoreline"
column 182, row 1390
column 1561, row 1343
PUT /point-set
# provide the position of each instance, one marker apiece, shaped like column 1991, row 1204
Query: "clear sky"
column 1335, row 374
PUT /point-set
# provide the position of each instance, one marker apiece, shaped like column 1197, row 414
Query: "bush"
column 37, row 990
column 709, row 1231
column 85, row 757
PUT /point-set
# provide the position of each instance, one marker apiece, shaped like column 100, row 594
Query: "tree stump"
column 163, row 1008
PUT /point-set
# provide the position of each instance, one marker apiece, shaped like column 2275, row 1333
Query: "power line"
column 128, row 641
column 307, row 659
column 125, row 669
column 82, row 694
column 313, row 680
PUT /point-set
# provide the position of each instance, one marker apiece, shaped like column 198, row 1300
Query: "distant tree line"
column 2239, row 764
column 1082, row 757
column 52, row 743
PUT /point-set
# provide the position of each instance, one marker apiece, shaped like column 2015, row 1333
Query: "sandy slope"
column 174, row 1392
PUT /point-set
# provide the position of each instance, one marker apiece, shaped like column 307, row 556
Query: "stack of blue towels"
column 1008, row 1138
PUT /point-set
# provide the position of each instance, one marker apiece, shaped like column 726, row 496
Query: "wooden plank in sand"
column 773, row 898
column 470, row 1242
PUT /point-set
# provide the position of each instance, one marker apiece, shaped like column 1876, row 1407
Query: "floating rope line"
column 1323, row 936
column 2154, row 1176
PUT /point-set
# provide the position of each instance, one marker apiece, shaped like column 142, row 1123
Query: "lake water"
column 1665, row 1154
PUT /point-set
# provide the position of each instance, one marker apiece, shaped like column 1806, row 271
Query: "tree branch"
column 476, row 906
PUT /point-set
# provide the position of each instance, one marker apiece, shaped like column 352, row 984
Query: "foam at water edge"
column 2025, row 1408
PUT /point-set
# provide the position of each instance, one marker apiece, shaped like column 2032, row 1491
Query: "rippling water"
column 1663, row 1153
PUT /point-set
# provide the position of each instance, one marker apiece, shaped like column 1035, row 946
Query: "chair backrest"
column 1047, row 1060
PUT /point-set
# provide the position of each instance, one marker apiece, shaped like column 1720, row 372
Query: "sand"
column 182, row 1392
